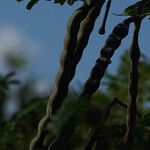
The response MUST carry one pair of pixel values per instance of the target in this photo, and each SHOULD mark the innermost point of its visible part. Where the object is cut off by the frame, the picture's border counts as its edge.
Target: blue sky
(40, 33)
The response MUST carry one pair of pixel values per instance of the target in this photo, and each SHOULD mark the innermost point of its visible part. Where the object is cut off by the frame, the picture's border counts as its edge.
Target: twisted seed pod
(61, 88)
(102, 143)
(86, 27)
(111, 44)
(133, 85)
(68, 65)
(102, 28)
(85, 30)
(92, 84)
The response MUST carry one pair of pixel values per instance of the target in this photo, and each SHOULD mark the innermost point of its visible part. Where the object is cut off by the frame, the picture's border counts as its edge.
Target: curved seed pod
(102, 62)
(61, 88)
(85, 30)
(91, 139)
(86, 27)
(133, 85)
(68, 65)
(111, 44)
(102, 29)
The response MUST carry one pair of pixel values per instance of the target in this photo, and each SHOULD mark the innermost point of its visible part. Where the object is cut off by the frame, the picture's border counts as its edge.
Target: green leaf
(143, 6)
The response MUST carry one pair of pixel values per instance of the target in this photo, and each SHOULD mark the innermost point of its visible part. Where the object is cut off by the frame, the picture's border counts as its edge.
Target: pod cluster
(93, 82)
(79, 29)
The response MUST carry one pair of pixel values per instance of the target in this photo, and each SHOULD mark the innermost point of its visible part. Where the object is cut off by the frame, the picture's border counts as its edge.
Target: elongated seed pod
(62, 139)
(95, 132)
(86, 28)
(133, 85)
(68, 65)
(61, 88)
(111, 44)
(102, 28)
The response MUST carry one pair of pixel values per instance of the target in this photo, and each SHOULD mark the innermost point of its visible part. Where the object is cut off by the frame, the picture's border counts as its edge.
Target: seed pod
(60, 142)
(66, 57)
(94, 135)
(85, 29)
(73, 49)
(102, 29)
(111, 44)
(133, 85)
(102, 143)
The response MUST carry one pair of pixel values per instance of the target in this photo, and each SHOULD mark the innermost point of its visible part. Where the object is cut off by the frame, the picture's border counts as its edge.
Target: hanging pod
(133, 85)
(102, 28)
(83, 19)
